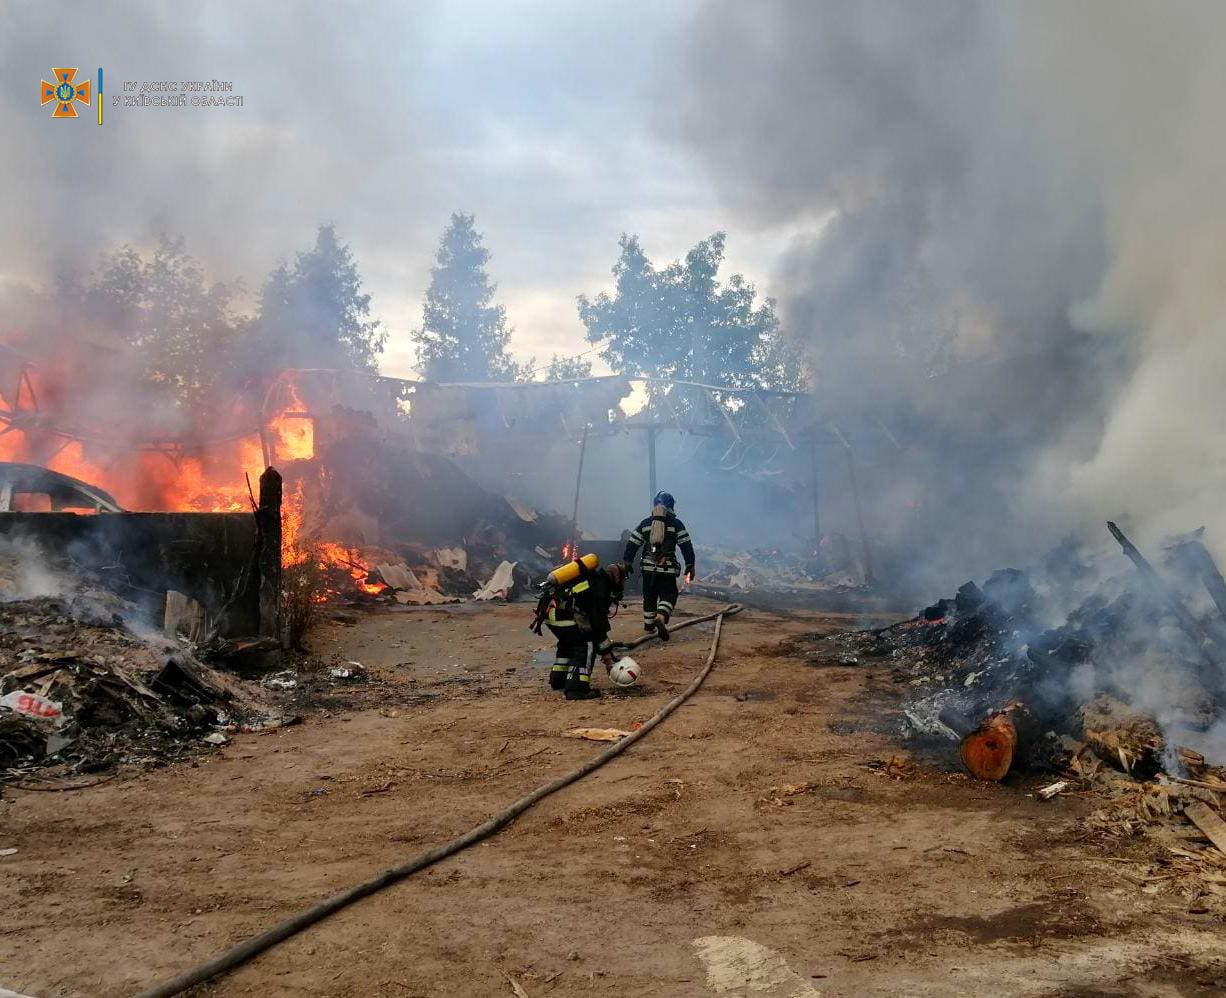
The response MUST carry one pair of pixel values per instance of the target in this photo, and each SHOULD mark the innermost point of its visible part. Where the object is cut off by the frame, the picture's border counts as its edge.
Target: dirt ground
(753, 845)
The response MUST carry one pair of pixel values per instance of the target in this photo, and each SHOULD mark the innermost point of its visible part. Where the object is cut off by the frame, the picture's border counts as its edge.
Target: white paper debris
(455, 557)
(500, 585)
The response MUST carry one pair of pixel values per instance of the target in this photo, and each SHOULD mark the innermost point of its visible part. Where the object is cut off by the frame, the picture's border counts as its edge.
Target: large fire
(218, 476)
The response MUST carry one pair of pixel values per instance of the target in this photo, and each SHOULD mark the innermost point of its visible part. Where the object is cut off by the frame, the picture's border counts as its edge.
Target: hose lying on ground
(244, 951)
(727, 611)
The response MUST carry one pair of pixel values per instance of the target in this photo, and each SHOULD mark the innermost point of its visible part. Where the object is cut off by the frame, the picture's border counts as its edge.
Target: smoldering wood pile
(414, 528)
(1123, 702)
(1134, 672)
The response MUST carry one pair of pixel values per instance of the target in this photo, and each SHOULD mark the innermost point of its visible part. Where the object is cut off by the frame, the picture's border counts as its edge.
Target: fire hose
(252, 947)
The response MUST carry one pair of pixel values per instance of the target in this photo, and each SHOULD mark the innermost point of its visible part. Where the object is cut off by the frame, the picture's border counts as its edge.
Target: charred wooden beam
(1200, 564)
(1204, 642)
(268, 518)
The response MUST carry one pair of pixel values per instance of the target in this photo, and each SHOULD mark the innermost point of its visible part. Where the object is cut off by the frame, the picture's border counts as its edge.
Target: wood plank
(183, 615)
(31, 671)
(1204, 818)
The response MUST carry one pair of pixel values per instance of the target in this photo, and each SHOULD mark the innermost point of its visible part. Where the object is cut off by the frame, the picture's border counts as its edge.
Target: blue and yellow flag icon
(64, 91)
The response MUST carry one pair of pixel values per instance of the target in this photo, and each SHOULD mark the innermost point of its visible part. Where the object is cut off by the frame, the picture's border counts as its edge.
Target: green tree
(463, 335)
(567, 368)
(680, 323)
(315, 314)
(178, 325)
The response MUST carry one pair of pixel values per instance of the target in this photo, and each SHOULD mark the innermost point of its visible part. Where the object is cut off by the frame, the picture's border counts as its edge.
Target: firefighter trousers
(659, 596)
(572, 660)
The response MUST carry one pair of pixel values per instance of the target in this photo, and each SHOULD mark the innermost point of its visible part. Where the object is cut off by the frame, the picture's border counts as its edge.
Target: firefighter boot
(579, 683)
(662, 626)
(581, 690)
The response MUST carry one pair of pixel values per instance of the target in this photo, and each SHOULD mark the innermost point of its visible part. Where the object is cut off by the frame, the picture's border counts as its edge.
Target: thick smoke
(246, 185)
(1023, 261)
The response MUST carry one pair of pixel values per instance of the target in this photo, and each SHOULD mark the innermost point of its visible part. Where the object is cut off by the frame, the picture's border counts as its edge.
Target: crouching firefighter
(574, 605)
(660, 535)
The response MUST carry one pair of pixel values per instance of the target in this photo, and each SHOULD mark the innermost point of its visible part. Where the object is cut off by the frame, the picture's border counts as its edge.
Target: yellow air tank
(564, 575)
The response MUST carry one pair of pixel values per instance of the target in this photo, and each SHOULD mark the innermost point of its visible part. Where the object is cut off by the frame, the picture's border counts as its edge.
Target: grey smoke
(246, 185)
(1026, 239)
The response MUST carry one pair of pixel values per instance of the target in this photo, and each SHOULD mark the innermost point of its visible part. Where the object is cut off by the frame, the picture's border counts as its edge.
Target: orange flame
(171, 478)
(292, 430)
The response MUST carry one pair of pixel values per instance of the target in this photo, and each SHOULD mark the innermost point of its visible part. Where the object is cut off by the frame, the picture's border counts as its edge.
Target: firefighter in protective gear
(577, 614)
(660, 536)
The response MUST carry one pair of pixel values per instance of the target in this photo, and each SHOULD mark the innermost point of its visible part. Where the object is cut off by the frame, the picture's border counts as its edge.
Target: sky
(542, 118)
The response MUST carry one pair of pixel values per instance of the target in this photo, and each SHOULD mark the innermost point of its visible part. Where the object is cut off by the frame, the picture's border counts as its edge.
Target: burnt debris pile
(81, 691)
(1134, 672)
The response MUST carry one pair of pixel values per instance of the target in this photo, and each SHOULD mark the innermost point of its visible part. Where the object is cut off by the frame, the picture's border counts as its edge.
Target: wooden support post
(269, 522)
(817, 507)
(651, 460)
(574, 517)
(855, 495)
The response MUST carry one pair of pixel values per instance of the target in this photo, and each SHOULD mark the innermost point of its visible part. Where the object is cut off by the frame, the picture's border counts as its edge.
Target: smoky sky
(380, 118)
(951, 237)
(1025, 236)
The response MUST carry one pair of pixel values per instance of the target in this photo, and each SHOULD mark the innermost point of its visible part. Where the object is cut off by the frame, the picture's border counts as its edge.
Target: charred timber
(1199, 563)
(268, 519)
(1205, 645)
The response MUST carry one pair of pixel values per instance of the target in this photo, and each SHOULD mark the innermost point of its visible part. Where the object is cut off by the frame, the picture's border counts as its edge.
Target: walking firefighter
(574, 605)
(660, 535)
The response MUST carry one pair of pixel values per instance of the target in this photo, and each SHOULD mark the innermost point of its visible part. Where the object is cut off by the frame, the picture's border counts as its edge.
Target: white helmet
(625, 672)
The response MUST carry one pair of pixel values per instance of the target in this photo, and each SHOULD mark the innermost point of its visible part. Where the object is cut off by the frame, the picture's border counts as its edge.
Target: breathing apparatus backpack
(661, 542)
(556, 604)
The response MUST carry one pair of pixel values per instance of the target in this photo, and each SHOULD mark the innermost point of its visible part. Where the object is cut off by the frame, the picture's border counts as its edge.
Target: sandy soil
(692, 865)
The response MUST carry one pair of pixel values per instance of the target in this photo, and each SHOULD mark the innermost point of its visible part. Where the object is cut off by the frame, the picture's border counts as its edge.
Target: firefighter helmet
(625, 672)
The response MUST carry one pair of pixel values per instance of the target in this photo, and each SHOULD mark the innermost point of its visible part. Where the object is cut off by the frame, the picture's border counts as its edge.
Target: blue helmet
(664, 499)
